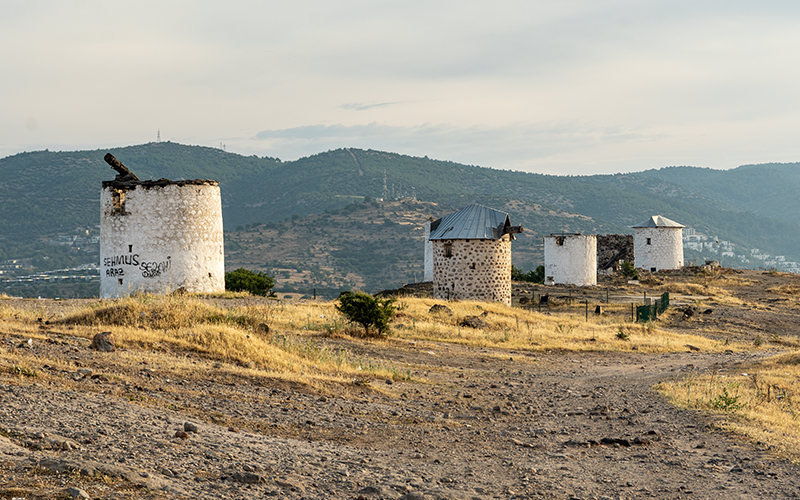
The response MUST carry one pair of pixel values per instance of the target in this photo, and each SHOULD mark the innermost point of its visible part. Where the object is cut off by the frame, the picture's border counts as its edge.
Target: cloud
(358, 106)
(521, 146)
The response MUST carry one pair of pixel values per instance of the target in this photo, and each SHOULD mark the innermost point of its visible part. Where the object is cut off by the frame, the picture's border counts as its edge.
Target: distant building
(570, 259)
(428, 266)
(658, 244)
(472, 255)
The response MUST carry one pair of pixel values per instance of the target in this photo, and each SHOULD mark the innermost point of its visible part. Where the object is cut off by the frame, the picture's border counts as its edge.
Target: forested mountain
(46, 195)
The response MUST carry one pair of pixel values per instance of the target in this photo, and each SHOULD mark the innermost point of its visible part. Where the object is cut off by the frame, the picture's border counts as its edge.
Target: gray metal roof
(474, 222)
(658, 221)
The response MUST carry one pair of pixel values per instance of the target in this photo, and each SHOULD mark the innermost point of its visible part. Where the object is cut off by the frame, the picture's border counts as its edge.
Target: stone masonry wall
(161, 238)
(665, 250)
(612, 248)
(477, 270)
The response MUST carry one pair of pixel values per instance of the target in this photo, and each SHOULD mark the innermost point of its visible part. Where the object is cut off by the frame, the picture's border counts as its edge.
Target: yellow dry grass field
(175, 326)
(760, 400)
(515, 328)
(287, 339)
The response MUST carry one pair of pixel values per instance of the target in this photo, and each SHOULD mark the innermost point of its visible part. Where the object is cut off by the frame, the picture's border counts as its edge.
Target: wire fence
(639, 308)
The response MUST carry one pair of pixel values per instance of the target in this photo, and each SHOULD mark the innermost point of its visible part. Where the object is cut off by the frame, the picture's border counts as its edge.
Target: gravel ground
(482, 424)
(471, 424)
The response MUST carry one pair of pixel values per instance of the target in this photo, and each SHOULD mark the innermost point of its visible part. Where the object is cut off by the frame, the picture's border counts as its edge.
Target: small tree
(367, 311)
(536, 275)
(629, 270)
(244, 280)
(532, 276)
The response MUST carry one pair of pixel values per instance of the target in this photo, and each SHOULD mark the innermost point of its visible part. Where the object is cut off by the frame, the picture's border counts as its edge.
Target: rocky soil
(471, 424)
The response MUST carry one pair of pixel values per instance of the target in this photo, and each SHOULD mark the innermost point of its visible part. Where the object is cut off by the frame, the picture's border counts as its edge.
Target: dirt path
(481, 424)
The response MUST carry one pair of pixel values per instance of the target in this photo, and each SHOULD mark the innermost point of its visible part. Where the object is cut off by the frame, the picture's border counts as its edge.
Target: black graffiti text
(131, 259)
(153, 269)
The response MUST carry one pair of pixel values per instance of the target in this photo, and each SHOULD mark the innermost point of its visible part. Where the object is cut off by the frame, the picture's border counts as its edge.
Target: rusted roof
(658, 221)
(474, 222)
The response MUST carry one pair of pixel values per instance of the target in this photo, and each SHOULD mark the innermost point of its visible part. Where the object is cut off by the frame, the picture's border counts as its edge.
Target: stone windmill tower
(658, 244)
(472, 255)
(160, 236)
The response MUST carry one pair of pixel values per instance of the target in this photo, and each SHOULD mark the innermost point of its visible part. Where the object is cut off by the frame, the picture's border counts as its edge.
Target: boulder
(473, 322)
(440, 309)
(103, 342)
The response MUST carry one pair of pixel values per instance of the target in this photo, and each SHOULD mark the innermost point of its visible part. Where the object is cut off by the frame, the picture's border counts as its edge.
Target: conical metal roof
(474, 222)
(658, 221)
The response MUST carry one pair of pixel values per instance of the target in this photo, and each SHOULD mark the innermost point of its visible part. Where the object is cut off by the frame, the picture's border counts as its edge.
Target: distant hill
(46, 195)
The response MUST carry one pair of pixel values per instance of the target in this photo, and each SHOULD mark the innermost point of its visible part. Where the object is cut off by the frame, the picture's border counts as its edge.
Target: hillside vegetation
(290, 214)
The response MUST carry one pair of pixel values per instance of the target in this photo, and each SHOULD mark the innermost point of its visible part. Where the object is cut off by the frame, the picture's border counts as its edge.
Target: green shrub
(367, 311)
(532, 276)
(726, 402)
(244, 280)
(629, 270)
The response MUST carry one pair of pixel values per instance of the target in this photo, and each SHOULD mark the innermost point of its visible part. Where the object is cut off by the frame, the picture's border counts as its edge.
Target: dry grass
(237, 336)
(760, 400)
(284, 340)
(790, 290)
(515, 328)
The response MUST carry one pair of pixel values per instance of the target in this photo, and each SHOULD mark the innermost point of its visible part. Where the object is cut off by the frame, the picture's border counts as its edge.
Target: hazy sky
(563, 86)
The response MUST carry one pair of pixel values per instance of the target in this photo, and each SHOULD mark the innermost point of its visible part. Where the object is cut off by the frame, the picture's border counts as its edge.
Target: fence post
(587, 309)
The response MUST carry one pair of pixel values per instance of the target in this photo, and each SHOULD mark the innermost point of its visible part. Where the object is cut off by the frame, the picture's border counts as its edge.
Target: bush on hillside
(244, 280)
(629, 270)
(371, 313)
(532, 276)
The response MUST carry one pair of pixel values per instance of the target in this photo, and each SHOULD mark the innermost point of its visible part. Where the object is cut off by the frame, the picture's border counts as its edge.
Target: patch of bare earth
(472, 423)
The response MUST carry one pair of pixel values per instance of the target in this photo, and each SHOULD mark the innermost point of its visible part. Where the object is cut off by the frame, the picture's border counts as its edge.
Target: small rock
(182, 435)
(247, 477)
(103, 342)
(440, 309)
(27, 344)
(373, 490)
(691, 347)
(76, 493)
(473, 322)
(233, 429)
(189, 427)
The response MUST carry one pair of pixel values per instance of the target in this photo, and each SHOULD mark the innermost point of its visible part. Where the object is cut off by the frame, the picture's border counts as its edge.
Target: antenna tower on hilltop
(158, 136)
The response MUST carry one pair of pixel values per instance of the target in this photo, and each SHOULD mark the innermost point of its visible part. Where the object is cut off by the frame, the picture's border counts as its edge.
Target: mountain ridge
(45, 194)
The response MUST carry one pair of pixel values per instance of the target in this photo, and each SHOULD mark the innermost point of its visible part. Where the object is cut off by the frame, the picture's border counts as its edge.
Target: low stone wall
(613, 248)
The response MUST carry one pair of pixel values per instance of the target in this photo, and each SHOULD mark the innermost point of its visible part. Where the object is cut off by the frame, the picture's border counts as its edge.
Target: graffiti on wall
(154, 269)
(113, 264)
(116, 266)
